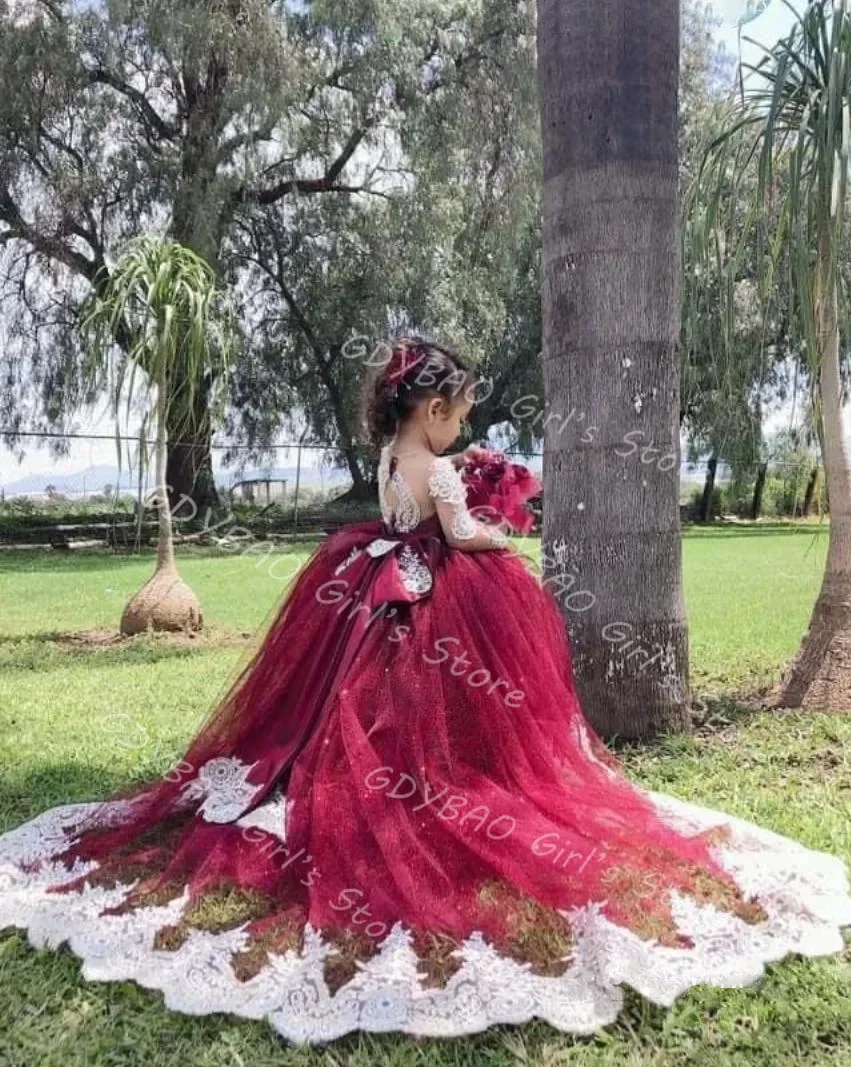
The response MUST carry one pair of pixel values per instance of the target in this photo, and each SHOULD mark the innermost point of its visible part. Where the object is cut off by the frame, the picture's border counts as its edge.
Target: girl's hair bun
(416, 368)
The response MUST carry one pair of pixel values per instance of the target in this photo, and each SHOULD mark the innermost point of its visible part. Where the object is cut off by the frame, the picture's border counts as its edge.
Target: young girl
(398, 818)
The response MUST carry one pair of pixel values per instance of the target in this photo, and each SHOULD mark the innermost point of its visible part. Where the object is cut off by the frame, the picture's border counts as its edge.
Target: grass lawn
(78, 720)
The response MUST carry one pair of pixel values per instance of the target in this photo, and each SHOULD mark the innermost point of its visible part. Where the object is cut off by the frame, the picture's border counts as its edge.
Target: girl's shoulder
(421, 462)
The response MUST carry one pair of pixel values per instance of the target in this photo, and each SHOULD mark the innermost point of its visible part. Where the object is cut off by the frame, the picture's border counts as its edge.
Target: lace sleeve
(383, 475)
(447, 489)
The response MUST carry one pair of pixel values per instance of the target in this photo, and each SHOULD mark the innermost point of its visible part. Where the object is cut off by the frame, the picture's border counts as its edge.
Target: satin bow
(405, 561)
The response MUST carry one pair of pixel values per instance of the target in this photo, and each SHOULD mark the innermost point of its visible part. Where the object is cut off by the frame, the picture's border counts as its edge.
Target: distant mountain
(93, 479)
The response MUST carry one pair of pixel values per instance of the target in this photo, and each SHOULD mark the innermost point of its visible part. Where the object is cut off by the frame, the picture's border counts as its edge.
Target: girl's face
(444, 420)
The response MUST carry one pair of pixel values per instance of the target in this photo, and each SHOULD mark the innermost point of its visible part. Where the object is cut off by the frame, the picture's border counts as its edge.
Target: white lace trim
(407, 516)
(446, 484)
(222, 783)
(804, 893)
(499, 537)
(383, 476)
(380, 547)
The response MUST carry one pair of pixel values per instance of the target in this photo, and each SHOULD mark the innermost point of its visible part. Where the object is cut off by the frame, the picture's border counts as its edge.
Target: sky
(770, 24)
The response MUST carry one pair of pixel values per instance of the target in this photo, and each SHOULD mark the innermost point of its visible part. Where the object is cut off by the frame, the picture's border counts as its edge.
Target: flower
(498, 487)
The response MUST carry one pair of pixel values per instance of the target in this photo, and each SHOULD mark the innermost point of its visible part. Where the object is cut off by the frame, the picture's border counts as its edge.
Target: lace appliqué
(383, 478)
(463, 525)
(223, 786)
(445, 484)
(406, 515)
(416, 577)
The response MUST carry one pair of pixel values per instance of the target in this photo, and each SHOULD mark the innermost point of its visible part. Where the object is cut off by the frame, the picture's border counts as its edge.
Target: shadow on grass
(51, 650)
(735, 529)
(25, 795)
(709, 716)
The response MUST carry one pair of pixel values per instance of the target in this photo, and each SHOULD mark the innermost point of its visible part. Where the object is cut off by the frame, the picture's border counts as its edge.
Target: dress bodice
(402, 511)
(400, 508)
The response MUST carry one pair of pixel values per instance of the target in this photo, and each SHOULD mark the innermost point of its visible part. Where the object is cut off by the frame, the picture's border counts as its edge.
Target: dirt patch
(106, 638)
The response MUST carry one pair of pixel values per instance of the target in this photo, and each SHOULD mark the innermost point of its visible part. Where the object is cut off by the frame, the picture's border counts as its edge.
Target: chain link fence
(299, 489)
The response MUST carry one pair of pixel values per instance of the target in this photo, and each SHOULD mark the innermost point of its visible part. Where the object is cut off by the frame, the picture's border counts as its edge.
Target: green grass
(76, 723)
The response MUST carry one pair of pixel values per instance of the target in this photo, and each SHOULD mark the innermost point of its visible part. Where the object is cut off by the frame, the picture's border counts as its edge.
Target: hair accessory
(404, 359)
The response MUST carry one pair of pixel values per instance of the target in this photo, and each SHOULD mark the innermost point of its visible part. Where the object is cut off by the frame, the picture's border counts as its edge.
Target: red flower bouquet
(499, 490)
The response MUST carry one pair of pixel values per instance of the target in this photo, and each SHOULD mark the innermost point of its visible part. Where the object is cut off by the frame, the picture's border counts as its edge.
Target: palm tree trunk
(197, 223)
(165, 601)
(819, 677)
(165, 531)
(608, 74)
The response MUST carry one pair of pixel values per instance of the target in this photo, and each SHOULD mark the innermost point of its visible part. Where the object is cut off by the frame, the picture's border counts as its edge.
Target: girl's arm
(450, 500)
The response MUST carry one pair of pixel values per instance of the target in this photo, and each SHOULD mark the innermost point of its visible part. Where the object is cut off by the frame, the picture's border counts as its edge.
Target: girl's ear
(434, 408)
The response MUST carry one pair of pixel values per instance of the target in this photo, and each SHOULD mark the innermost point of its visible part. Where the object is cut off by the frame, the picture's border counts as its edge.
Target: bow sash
(400, 565)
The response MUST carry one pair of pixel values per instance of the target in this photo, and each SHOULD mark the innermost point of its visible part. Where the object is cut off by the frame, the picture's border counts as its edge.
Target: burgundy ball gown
(398, 819)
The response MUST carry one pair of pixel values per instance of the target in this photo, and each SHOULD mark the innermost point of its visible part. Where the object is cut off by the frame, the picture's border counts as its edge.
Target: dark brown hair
(423, 368)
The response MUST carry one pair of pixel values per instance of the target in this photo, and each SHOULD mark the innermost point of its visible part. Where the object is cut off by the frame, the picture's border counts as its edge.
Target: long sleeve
(462, 530)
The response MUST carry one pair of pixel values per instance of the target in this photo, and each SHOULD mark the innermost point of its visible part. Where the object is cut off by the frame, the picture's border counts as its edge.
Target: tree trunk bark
(706, 514)
(165, 527)
(810, 492)
(608, 76)
(197, 223)
(360, 487)
(758, 490)
(189, 469)
(819, 677)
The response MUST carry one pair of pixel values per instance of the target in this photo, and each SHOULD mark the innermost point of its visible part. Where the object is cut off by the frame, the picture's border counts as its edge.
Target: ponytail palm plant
(177, 328)
(791, 122)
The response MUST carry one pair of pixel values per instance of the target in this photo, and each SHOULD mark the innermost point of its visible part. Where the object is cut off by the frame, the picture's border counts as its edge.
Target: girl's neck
(411, 438)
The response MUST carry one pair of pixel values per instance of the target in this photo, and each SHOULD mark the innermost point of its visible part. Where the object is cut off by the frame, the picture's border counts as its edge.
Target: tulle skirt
(399, 819)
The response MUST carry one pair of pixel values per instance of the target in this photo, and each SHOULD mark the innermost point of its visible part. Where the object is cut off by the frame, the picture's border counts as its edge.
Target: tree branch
(48, 246)
(153, 120)
(231, 144)
(327, 184)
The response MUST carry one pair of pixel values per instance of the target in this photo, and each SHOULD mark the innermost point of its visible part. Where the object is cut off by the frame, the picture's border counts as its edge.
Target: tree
(357, 165)
(608, 72)
(794, 116)
(176, 328)
(455, 251)
(119, 118)
(450, 249)
(733, 366)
